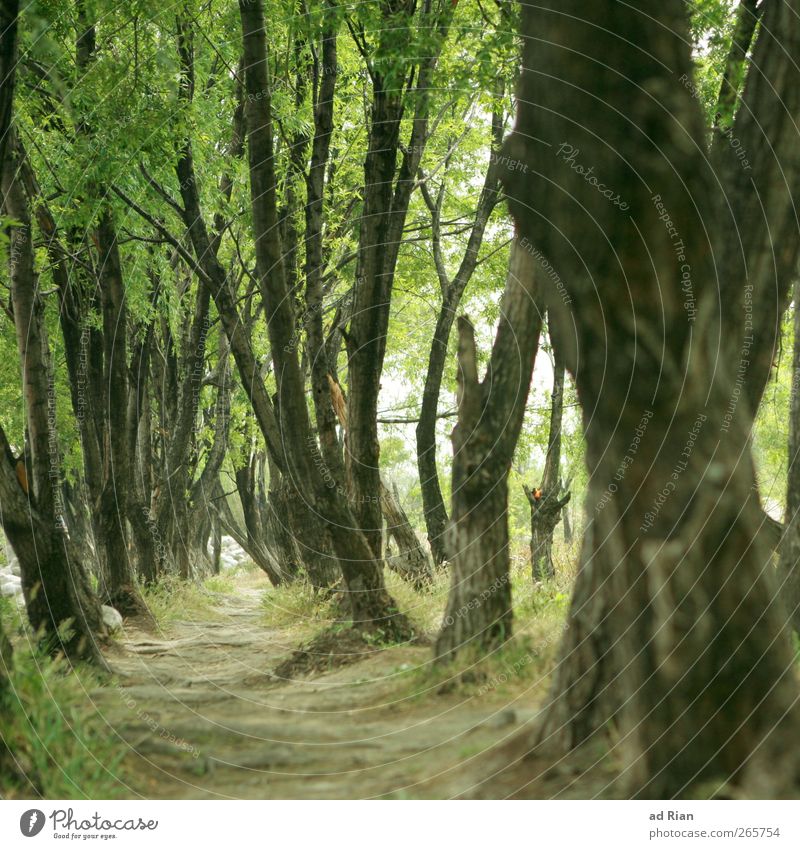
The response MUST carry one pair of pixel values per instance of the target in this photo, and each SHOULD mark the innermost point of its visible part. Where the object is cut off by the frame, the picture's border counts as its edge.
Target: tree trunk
(546, 501)
(490, 414)
(675, 635)
(411, 561)
(387, 194)
(120, 588)
(54, 582)
(372, 607)
(452, 292)
(60, 602)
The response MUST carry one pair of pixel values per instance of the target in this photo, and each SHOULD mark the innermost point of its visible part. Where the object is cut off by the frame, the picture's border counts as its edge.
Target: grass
(297, 604)
(173, 599)
(62, 746)
(539, 614)
(59, 744)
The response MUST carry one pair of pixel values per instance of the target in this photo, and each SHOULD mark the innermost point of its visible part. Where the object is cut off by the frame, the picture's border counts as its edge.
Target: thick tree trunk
(321, 388)
(675, 635)
(120, 588)
(60, 602)
(490, 414)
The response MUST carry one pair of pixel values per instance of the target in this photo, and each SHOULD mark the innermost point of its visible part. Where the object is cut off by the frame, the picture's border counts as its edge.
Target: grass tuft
(57, 742)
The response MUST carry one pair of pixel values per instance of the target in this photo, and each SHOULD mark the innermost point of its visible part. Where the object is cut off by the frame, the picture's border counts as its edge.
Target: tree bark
(411, 561)
(387, 193)
(674, 634)
(120, 589)
(490, 414)
(60, 603)
(372, 606)
(547, 500)
(452, 292)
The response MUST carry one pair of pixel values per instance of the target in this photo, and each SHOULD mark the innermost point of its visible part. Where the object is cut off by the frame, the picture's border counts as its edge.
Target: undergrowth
(173, 598)
(539, 614)
(59, 746)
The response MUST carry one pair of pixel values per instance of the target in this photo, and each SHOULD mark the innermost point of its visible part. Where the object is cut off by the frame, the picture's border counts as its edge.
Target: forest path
(201, 716)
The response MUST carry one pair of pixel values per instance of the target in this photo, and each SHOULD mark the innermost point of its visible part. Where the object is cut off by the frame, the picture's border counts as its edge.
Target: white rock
(15, 570)
(111, 617)
(9, 588)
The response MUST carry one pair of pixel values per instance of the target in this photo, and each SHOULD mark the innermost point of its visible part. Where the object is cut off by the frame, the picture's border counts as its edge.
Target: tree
(548, 500)
(675, 631)
(361, 565)
(400, 81)
(490, 413)
(61, 605)
(452, 293)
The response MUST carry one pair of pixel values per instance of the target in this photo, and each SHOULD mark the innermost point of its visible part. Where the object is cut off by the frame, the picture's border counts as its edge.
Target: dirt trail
(202, 717)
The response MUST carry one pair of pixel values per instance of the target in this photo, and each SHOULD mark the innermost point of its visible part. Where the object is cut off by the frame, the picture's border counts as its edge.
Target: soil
(202, 713)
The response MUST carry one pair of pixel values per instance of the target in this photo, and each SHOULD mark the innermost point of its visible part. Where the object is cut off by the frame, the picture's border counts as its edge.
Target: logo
(31, 822)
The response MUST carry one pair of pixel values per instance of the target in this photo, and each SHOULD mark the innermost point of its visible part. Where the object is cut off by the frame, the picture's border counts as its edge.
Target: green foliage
(61, 746)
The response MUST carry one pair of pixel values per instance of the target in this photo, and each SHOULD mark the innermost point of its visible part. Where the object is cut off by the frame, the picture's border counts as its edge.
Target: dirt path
(202, 717)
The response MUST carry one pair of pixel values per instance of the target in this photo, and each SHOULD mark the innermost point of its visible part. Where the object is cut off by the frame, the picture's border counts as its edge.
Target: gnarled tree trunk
(372, 606)
(452, 292)
(490, 414)
(675, 634)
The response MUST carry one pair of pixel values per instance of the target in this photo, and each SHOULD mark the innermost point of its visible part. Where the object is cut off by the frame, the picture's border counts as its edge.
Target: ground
(235, 689)
(199, 713)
